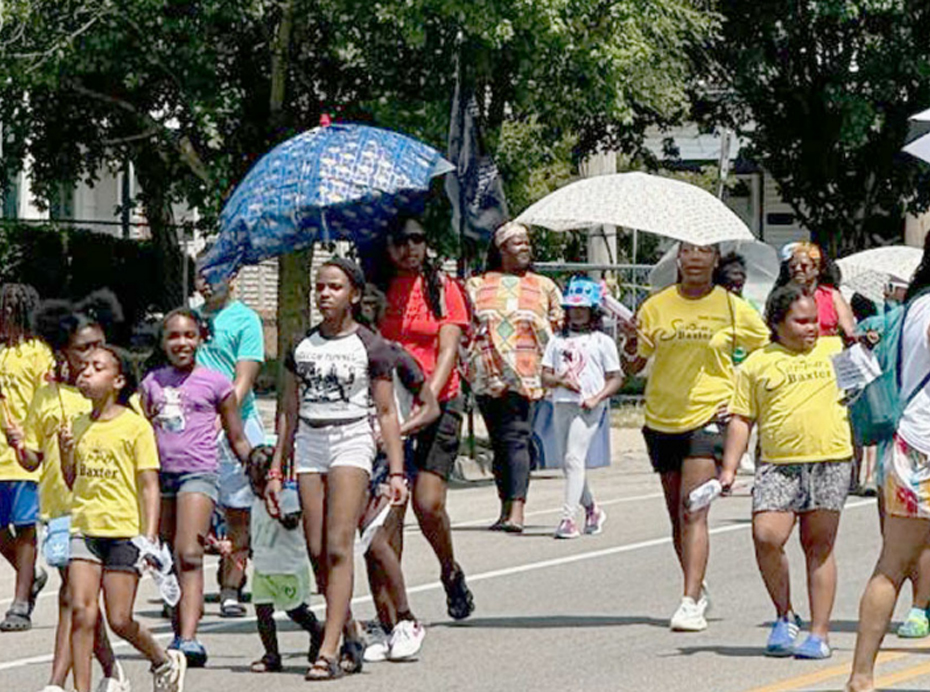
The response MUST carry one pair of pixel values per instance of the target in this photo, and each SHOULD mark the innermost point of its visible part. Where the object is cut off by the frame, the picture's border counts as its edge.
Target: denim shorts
(19, 503)
(235, 490)
(203, 483)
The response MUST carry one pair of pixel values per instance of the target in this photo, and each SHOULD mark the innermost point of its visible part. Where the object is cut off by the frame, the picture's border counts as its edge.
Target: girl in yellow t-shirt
(73, 333)
(24, 363)
(110, 462)
(789, 390)
(693, 332)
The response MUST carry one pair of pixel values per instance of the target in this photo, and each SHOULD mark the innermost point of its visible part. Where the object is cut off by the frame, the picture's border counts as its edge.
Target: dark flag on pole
(475, 187)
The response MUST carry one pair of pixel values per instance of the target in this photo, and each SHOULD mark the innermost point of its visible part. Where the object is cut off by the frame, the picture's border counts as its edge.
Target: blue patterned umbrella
(339, 182)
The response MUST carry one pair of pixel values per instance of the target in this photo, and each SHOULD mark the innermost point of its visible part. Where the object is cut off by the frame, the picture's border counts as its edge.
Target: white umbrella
(663, 206)
(761, 269)
(867, 272)
(918, 136)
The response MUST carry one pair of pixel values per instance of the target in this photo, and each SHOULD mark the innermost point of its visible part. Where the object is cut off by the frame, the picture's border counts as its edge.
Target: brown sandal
(324, 668)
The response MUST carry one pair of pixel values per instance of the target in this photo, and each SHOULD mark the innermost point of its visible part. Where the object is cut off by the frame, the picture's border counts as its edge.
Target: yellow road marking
(843, 669)
(902, 675)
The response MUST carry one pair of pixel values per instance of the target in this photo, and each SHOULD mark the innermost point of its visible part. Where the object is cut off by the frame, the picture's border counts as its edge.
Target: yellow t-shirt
(23, 369)
(795, 401)
(108, 456)
(51, 403)
(691, 342)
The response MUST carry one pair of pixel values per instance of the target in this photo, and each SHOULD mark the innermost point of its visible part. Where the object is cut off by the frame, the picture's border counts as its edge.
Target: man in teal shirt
(236, 349)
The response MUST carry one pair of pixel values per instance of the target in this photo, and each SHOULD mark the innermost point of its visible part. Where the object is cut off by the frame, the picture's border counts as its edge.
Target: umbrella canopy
(761, 269)
(868, 272)
(339, 182)
(663, 206)
(918, 136)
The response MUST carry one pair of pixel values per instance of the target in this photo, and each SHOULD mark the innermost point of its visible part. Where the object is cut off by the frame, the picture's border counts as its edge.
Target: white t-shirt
(586, 357)
(275, 549)
(914, 425)
(334, 374)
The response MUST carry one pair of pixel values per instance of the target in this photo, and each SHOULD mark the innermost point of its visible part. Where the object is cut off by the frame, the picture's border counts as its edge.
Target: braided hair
(18, 303)
(779, 305)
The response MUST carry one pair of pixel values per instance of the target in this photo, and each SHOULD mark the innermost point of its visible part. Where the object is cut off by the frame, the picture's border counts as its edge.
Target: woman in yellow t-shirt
(693, 331)
(110, 462)
(789, 390)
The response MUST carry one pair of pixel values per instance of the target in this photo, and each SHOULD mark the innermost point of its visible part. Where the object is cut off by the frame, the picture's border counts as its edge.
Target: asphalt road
(588, 614)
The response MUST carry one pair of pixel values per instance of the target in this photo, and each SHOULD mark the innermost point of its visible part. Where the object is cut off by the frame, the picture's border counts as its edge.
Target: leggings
(508, 422)
(574, 429)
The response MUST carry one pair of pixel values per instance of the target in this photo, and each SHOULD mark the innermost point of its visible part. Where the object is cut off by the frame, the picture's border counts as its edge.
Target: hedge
(68, 262)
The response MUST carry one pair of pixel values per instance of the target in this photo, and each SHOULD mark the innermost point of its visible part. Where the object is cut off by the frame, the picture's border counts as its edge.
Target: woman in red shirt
(426, 314)
(807, 267)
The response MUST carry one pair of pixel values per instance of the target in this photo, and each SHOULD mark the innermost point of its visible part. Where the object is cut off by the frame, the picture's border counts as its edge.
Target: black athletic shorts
(437, 445)
(667, 451)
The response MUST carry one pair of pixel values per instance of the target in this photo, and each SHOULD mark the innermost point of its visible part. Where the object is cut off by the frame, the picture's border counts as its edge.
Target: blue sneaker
(783, 636)
(175, 644)
(813, 649)
(194, 652)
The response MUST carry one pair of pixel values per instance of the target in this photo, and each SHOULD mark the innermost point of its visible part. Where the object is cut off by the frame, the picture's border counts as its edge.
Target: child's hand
(66, 438)
(15, 436)
(273, 488)
(398, 490)
(727, 478)
(590, 403)
(569, 383)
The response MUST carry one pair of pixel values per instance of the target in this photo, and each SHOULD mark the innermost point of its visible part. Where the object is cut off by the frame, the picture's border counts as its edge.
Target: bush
(68, 262)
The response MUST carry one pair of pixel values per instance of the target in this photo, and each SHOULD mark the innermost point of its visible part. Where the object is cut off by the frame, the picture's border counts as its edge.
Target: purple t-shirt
(183, 407)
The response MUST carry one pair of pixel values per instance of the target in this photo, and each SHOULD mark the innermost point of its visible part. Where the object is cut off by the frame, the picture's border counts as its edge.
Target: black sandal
(352, 657)
(324, 668)
(267, 664)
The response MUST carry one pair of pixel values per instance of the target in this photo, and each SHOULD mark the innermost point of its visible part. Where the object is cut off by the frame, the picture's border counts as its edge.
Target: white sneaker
(169, 677)
(704, 601)
(378, 646)
(118, 683)
(689, 617)
(406, 640)
(53, 688)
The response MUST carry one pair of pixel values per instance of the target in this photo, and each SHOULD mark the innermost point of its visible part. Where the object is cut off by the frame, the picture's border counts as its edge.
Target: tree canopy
(823, 90)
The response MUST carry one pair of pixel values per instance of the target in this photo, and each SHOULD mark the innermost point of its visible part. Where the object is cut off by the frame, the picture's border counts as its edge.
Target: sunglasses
(414, 238)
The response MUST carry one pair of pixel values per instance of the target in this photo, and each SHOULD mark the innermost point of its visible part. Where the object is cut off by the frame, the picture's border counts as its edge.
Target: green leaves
(823, 90)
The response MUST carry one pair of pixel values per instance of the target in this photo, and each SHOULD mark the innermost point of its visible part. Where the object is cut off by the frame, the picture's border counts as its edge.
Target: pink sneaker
(567, 529)
(594, 518)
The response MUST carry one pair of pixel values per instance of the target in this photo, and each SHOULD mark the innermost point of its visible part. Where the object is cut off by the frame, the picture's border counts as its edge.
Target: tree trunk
(293, 315)
(169, 257)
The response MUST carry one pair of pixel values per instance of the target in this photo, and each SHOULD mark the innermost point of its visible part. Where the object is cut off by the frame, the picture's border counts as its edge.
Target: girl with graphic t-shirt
(582, 368)
(692, 331)
(335, 373)
(789, 390)
(183, 400)
(110, 462)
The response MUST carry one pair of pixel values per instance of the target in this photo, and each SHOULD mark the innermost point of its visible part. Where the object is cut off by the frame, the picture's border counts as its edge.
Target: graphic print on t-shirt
(573, 361)
(329, 381)
(170, 415)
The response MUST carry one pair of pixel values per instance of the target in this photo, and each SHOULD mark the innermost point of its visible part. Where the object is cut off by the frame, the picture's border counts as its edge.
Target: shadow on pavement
(729, 651)
(556, 622)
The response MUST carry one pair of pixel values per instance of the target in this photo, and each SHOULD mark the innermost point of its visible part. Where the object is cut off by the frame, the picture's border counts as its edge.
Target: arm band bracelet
(274, 475)
(397, 474)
